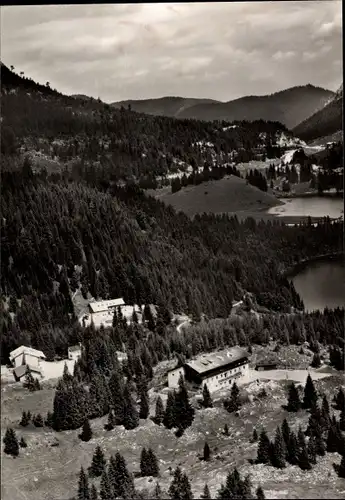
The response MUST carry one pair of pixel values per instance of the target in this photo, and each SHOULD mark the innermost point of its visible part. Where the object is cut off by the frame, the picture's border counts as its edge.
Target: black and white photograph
(172, 284)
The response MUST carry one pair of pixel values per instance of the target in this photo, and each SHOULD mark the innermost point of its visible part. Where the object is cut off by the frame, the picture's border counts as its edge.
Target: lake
(321, 284)
(313, 206)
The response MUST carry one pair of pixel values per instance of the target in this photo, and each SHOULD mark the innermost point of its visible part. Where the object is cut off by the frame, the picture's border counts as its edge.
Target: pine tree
(294, 403)
(22, 443)
(286, 432)
(93, 493)
(131, 416)
(320, 446)
(152, 464)
(86, 433)
(105, 491)
(255, 435)
(314, 421)
(278, 450)
(260, 495)
(207, 400)
(207, 453)
(311, 449)
(98, 463)
(116, 388)
(37, 420)
(169, 419)
(310, 394)
(144, 401)
(24, 421)
(263, 449)
(159, 413)
(83, 486)
(233, 404)
(325, 420)
(341, 467)
(206, 495)
(184, 412)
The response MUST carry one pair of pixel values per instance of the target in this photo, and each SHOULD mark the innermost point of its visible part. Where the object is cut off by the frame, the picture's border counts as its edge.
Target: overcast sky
(216, 50)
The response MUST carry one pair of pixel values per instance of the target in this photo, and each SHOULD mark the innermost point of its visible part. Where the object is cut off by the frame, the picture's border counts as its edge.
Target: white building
(102, 313)
(218, 370)
(74, 352)
(26, 356)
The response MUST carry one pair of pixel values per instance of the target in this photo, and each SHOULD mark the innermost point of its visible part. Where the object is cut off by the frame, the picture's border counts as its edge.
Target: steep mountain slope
(325, 122)
(289, 106)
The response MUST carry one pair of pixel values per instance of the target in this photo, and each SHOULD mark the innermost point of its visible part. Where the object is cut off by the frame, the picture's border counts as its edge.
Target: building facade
(217, 370)
(102, 313)
(24, 355)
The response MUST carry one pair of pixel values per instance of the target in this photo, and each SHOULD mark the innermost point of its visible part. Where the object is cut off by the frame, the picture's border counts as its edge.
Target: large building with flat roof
(217, 369)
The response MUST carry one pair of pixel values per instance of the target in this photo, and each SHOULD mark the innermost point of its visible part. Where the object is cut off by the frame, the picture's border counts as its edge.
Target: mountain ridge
(289, 106)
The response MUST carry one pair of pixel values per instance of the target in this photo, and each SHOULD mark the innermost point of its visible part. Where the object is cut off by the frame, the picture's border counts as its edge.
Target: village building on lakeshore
(217, 370)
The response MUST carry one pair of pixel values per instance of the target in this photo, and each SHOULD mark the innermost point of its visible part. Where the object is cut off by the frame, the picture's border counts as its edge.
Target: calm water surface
(314, 207)
(321, 284)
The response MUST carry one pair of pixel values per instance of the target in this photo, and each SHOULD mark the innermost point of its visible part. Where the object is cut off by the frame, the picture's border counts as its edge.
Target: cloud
(217, 50)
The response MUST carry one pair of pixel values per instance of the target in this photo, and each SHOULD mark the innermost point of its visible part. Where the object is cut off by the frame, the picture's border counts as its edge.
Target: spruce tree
(159, 412)
(320, 446)
(316, 361)
(342, 419)
(311, 449)
(303, 459)
(143, 463)
(292, 449)
(263, 456)
(24, 420)
(233, 404)
(169, 419)
(255, 435)
(341, 467)
(226, 430)
(339, 399)
(22, 443)
(86, 433)
(37, 420)
(310, 394)
(131, 416)
(29, 381)
(83, 486)
(179, 488)
(70, 404)
(294, 403)
(285, 428)
(11, 443)
(120, 479)
(144, 401)
(332, 440)
(110, 425)
(314, 421)
(98, 463)
(260, 495)
(184, 412)
(105, 491)
(325, 415)
(116, 388)
(207, 452)
(152, 463)
(206, 495)
(93, 493)
(207, 400)
(278, 450)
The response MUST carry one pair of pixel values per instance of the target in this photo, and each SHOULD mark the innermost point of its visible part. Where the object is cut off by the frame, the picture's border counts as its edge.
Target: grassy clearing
(42, 471)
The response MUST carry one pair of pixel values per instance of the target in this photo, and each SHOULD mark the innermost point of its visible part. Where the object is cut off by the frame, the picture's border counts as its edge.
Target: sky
(214, 50)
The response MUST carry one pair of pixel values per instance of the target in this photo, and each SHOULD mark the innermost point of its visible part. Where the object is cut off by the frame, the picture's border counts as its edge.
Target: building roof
(20, 371)
(74, 348)
(26, 350)
(212, 361)
(103, 305)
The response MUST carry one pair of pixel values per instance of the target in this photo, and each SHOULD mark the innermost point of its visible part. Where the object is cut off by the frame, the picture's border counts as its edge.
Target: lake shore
(296, 268)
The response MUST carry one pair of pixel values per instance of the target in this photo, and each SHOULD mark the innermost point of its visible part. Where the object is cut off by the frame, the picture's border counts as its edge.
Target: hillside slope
(325, 122)
(289, 106)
